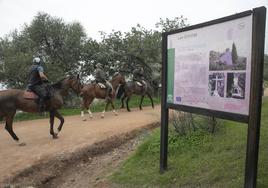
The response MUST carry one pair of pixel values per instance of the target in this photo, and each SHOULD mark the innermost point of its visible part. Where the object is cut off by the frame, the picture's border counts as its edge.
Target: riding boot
(143, 89)
(107, 96)
(41, 106)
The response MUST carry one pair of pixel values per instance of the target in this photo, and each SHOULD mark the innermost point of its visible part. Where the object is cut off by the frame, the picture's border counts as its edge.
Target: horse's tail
(120, 92)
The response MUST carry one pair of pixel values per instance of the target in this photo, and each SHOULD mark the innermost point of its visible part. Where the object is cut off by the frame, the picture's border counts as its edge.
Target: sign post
(255, 97)
(164, 110)
(216, 69)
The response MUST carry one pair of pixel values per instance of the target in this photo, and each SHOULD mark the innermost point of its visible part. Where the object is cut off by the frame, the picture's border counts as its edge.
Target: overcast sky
(106, 15)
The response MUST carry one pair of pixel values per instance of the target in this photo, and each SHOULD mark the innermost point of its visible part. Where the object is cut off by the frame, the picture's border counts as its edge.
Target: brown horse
(130, 88)
(91, 91)
(14, 99)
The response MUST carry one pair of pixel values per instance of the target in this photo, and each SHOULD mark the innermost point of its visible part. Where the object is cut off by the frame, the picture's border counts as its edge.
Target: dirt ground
(81, 155)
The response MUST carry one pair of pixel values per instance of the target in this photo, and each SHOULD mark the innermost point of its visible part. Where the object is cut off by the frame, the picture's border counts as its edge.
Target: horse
(134, 87)
(91, 91)
(12, 100)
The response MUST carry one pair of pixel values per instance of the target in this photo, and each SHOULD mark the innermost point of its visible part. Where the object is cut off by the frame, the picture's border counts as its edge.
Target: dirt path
(95, 172)
(75, 136)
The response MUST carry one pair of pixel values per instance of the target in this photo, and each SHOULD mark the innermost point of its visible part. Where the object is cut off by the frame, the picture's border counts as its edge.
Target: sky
(108, 15)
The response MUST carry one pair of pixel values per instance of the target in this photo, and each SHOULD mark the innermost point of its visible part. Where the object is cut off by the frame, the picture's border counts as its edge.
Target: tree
(67, 50)
(57, 43)
(16, 55)
(61, 43)
(234, 54)
(167, 24)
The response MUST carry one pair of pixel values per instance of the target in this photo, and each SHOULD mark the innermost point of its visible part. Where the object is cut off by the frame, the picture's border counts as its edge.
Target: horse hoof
(122, 107)
(84, 119)
(102, 116)
(91, 117)
(55, 136)
(22, 144)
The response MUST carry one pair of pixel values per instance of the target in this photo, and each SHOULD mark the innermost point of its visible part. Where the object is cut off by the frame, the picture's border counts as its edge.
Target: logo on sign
(178, 99)
(170, 98)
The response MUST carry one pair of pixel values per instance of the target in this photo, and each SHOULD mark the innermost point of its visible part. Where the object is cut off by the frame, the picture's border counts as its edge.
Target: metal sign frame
(255, 101)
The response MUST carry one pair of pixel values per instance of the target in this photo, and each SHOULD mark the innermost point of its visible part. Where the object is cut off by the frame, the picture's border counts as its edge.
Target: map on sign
(210, 67)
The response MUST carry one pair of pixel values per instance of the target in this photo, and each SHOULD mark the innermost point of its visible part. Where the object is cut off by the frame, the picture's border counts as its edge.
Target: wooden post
(255, 97)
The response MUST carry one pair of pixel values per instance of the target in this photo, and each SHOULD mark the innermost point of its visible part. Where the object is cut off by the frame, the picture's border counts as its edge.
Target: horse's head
(119, 78)
(74, 83)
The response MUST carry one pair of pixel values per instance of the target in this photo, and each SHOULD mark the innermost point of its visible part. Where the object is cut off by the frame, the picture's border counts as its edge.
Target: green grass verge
(199, 159)
(265, 83)
(134, 102)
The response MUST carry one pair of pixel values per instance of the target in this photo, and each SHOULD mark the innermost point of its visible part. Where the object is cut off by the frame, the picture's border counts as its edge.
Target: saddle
(141, 84)
(29, 95)
(138, 83)
(101, 85)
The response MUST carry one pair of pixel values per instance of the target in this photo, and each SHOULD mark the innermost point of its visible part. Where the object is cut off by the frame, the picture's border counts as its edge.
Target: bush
(185, 123)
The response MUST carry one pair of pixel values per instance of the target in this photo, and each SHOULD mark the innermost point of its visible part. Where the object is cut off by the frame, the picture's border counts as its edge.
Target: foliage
(265, 70)
(66, 49)
(166, 25)
(57, 43)
(182, 122)
(186, 123)
(199, 159)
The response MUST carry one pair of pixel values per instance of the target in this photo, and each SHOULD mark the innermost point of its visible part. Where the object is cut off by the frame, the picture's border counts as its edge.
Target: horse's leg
(122, 101)
(128, 98)
(86, 105)
(51, 120)
(150, 97)
(83, 107)
(89, 112)
(59, 116)
(142, 97)
(105, 109)
(9, 128)
(114, 111)
(82, 110)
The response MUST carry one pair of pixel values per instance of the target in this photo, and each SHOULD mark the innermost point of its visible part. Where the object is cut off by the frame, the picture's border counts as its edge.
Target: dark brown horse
(91, 91)
(14, 99)
(130, 88)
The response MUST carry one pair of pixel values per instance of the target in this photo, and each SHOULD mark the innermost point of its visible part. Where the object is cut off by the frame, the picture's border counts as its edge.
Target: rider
(100, 77)
(138, 76)
(37, 80)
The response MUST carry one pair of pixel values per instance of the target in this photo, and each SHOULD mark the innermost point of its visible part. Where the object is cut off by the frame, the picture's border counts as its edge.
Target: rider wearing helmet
(138, 76)
(36, 80)
(100, 77)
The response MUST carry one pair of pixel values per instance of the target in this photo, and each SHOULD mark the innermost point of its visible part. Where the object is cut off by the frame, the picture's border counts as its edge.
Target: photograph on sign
(209, 67)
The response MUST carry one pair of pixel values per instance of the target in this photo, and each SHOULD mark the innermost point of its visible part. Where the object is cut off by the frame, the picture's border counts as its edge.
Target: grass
(265, 83)
(98, 107)
(199, 159)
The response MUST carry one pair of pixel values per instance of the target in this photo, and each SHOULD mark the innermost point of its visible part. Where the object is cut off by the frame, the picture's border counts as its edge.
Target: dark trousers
(41, 91)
